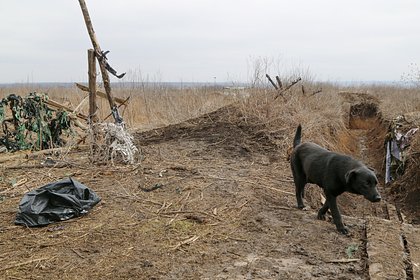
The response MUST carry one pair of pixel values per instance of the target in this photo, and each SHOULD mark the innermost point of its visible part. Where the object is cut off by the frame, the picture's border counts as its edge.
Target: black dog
(334, 173)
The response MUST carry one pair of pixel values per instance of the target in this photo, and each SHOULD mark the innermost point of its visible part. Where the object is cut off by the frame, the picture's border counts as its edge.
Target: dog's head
(363, 181)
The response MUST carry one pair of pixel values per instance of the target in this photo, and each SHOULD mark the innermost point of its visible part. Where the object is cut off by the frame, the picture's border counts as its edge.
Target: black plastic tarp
(58, 201)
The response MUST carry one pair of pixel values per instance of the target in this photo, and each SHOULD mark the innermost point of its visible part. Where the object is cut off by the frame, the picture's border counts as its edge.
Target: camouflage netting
(29, 124)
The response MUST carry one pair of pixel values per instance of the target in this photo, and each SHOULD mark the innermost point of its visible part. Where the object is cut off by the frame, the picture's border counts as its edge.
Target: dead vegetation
(213, 197)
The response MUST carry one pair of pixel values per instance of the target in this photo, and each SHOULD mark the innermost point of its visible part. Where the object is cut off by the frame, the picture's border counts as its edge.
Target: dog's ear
(349, 175)
(374, 173)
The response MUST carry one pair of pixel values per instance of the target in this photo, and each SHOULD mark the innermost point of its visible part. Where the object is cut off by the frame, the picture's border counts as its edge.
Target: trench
(364, 137)
(366, 127)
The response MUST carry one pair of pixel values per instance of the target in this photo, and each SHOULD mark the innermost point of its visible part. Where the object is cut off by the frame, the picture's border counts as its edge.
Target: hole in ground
(363, 115)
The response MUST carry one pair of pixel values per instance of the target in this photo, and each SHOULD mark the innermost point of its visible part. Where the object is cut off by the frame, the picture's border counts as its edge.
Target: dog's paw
(301, 206)
(321, 217)
(343, 230)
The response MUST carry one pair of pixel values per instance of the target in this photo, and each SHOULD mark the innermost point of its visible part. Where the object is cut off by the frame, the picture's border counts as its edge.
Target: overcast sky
(197, 40)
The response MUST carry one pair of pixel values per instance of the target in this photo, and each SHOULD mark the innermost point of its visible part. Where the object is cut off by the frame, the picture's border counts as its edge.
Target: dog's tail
(298, 136)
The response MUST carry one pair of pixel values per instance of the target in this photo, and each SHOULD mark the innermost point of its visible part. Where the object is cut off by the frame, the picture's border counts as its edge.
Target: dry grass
(317, 113)
(207, 180)
(149, 107)
(394, 100)
(156, 105)
(325, 114)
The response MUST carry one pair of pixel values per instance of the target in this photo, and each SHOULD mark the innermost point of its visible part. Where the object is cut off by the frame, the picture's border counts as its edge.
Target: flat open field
(225, 206)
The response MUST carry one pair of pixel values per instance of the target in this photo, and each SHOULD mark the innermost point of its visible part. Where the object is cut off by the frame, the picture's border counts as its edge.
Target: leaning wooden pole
(101, 60)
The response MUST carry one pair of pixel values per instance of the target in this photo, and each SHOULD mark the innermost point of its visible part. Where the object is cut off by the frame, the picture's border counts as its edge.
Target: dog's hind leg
(300, 182)
(300, 188)
(299, 178)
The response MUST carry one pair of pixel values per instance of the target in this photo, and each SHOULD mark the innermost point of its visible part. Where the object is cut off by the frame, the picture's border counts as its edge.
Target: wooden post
(101, 60)
(271, 81)
(279, 82)
(93, 117)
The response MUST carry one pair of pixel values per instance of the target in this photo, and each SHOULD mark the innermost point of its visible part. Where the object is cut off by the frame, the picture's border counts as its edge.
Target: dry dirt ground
(222, 207)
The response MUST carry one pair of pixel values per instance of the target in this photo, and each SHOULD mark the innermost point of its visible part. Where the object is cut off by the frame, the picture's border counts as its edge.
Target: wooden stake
(279, 82)
(92, 87)
(271, 81)
(101, 60)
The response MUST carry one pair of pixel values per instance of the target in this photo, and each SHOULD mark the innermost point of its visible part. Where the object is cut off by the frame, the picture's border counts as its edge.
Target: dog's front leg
(332, 203)
(323, 211)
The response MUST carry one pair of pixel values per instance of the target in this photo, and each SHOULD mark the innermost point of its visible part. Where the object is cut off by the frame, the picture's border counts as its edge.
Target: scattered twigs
(23, 263)
(185, 242)
(28, 155)
(277, 190)
(343, 261)
(77, 253)
(192, 212)
(152, 188)
(28, 166)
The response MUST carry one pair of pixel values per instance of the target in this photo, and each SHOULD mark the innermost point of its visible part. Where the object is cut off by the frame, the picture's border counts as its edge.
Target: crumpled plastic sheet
(58, 201)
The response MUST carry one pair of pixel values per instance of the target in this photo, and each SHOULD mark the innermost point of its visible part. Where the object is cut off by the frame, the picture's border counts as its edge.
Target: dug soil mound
(226, 132)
